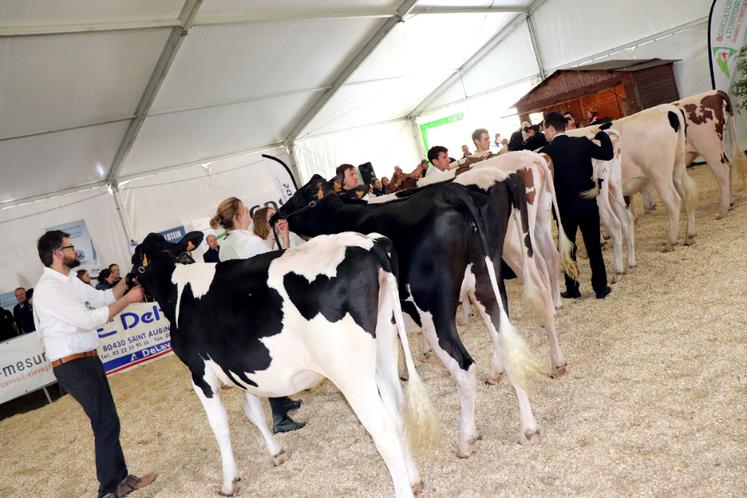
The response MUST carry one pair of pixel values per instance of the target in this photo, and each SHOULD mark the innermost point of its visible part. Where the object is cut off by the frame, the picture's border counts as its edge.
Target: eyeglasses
(67, 247)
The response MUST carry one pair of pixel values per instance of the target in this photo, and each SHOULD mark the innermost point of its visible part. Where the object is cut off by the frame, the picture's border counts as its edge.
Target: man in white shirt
(438, 156)
(67, 313)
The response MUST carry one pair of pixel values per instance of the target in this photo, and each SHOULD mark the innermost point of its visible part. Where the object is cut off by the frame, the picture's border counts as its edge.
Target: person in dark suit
(211, 255)
(571, 157)
(535, 139)
(23, 312)
(7, 325)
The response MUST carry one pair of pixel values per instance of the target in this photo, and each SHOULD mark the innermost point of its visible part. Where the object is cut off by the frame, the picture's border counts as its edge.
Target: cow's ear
(188, 243)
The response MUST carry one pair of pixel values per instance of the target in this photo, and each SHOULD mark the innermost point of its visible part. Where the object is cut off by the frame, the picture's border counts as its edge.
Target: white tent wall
(21, 227)
(568, 34)
(182, 196)
(385, 145)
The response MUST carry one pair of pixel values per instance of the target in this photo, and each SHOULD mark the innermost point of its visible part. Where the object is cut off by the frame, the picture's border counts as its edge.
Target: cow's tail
(422, 426)
(737, 154)
(517, 191)
(566, 247)
(689, 187)
(593, 192)
(517, 358)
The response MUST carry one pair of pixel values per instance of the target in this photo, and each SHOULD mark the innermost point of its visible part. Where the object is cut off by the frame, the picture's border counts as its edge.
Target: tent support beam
(290, 146)
(174, 42)
(57, 193)
(123, 219)
(404, 8)
(418, 139)
(536, 47)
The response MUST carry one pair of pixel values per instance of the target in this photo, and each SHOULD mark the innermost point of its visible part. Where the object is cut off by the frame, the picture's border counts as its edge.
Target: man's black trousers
(584, 215)
(85, 380)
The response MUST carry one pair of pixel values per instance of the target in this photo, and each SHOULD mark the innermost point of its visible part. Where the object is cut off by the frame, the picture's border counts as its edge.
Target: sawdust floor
(653, 405)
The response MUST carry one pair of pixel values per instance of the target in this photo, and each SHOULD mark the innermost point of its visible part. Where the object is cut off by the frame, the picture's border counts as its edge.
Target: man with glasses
(67, 313)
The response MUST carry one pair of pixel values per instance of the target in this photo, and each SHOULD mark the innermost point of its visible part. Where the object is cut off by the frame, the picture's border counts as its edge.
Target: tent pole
(418, 138)
(290, 146)
(122, 217)
(536, 47)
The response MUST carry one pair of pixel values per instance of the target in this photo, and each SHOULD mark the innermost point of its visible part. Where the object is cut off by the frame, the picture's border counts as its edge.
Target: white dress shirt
(240, 244)
(67, 313)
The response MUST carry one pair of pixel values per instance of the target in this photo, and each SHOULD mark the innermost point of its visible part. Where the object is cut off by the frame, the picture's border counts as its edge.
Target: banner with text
(140, 333)
(726, 29)
(23, 366)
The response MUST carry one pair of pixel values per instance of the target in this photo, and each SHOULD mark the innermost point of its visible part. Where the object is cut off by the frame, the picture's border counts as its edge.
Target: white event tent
(141, 115)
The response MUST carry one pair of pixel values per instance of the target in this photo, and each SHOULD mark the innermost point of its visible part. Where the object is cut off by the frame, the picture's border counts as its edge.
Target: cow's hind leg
(387, 381)
(673, 202)
(363, 396)
(253, 411)
(442, 335)
(218, 420)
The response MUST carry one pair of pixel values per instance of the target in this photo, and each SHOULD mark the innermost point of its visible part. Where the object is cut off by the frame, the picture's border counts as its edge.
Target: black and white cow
(440, 240)
(280, 322)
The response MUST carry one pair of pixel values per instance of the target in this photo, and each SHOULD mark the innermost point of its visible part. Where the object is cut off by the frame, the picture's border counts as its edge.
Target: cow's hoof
(494, 379)
(559, 371)
(473, 439)
(465, 452)
(690, 240)
(232, 492)
(280, 458)
(528, 435)
(667, 248)
(417, 488)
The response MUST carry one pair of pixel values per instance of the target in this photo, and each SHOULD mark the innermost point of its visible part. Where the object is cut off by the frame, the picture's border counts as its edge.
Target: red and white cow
(706, 116)
(653, 151)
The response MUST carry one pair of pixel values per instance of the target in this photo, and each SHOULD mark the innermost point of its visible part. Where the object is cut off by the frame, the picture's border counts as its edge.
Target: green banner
(435, 124)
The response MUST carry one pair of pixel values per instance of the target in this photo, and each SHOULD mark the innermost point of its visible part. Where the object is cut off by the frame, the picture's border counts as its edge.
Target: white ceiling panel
(62, 81)
(57, 161)
(228, 8)
(57, 12)
(234, 62)
(371, 102)
(181, 137)
(475, 3)
(426, 44)
(411, 61)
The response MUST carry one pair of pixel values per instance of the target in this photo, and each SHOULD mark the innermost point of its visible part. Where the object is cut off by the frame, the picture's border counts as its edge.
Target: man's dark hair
(113, 264)
(556, 120)
(340, 172)
(48, 244)
(20, 288)
(80, 273)
(478, 133)
(435, 151)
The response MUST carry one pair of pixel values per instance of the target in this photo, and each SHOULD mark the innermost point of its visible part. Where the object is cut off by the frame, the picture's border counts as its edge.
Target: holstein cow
(522, 258)
(440, 241)
(280, 322)
(706, 116)
(653, 150)
(613, 213)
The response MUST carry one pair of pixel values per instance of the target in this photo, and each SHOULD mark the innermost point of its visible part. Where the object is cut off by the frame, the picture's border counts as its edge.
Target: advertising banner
(174, 235)
(23, 366)
(80, 238)
(138, 334)
(726, 29)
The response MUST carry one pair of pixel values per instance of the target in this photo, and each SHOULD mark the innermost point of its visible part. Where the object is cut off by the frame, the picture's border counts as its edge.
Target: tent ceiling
(86, 90)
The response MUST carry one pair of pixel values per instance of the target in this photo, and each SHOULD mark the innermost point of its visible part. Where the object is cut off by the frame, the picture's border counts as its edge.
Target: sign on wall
(726, 28)
(174, 235)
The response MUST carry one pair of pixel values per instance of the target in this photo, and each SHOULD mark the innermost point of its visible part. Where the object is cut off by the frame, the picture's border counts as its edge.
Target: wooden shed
(613, 88)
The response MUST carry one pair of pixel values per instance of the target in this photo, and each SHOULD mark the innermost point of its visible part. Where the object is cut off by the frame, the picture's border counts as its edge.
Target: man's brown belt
(73, 357)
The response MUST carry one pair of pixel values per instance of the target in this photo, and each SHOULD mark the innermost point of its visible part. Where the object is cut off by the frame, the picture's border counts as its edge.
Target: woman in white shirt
(240, 243)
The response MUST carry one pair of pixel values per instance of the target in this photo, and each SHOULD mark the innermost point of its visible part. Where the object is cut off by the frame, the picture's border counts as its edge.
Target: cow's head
(154, 259)
(304, 199)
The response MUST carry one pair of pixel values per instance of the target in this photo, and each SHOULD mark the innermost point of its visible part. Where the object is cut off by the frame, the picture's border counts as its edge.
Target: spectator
(439, 158)
(498, 141)
(68, 313)
(378, 187)
(23, 312)
(114, 268)
(535, 138)
(518, 137)
(570, 121)
(8, 328)
(385, 184)
(348, 179)
(592, 117)
(239, 243)
(211, 255)
(84, 276)
(105, 280)
(465, 152)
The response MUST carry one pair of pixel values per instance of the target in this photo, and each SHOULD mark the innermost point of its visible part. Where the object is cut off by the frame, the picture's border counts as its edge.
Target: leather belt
(73, 357)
